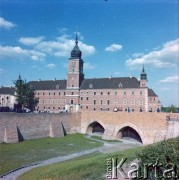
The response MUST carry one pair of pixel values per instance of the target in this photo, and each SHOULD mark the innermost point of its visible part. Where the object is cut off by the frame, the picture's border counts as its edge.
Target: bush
(160, 160)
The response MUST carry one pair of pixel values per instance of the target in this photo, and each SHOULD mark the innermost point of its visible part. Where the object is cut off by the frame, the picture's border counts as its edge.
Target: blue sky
(115, 36)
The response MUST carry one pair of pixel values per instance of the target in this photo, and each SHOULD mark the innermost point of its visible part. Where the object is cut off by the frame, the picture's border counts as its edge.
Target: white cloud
(167, 56)
(17, 53)
(114, 48)
(170, 79)
(117, 73)
(51, 66)
(63, 46)
(29, 41)
(6, 24)
(88, 65)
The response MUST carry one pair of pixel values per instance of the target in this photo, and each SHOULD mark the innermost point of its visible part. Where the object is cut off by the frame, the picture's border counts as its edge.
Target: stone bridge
(144, 127)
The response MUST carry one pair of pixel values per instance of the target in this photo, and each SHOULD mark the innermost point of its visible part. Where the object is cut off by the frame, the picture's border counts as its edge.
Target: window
(115, 101)
(140, 102)
(101, 93)
(73, 64)
(81, 98)
(53, 107)
(71, 101)
(48, 107)
(72, 93)
(43, 101)
(115, 93)
(87, 98)
(124, 92)
(94, 101)
(108, 109)
(59, 93)
(49, 93)
(53, 101)
(94, 109)
(132, 101)
(38, 93)
(54, 93)
(140, 92)
(132, 92)
(64, 93)
(154, 99)
(125, 101)
(108, 102)
(101, 109)
(44, 107)
(58, 107)
(81, 107)
(108, 93)
(43, 93)
(64, 101)
(86, 107)
(48, 101)
(101, 101)
(94, 93)
(59, 101)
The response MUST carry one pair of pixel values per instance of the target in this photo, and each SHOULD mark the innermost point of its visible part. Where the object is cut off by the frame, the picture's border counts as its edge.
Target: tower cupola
(76, 53)
(143, 75)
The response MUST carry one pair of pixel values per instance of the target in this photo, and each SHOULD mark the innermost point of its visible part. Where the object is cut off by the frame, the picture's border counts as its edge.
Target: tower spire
(76, 42)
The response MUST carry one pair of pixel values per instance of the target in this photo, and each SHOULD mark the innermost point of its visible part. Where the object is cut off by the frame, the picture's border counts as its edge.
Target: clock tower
(75, 77)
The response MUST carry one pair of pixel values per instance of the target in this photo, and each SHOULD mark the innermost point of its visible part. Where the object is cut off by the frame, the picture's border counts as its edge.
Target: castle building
(97, 94)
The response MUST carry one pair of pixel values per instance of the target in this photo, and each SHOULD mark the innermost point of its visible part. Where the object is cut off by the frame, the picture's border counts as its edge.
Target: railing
(172, 117)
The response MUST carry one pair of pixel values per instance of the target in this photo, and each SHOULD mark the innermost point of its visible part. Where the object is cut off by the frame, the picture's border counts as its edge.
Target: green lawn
(100, 138)
(30, 151)
(89, 167)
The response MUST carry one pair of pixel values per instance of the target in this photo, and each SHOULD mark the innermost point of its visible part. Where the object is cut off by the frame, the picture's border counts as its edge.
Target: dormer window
(120, 85)
(90, 86)
(57, 86)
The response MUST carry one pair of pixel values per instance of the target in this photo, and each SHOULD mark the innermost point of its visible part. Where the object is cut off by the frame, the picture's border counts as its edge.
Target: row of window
(54, 108)
(50, 93)
(94, 93)
(125, 101)
(53, 101)
(108, 93)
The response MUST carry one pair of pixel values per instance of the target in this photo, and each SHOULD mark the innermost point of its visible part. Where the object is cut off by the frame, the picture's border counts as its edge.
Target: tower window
(72, 93)
(101, 93)
(73, 65)
(108, 93)
(94, 93)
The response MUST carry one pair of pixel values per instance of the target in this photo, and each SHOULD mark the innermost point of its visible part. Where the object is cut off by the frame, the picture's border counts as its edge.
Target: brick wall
(151, 127)
(15, 127)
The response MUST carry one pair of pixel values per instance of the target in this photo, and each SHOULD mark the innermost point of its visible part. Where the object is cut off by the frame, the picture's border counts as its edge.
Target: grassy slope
(16, 155)
(92, 167)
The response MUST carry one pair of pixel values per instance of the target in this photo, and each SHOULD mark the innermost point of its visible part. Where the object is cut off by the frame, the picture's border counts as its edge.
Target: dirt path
(106, 148)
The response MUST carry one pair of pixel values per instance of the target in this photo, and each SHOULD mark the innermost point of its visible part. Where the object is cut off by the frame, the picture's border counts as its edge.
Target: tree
(172, 109)
(24, 95)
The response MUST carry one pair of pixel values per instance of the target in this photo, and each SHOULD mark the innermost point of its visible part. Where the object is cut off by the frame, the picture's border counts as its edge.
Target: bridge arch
(96, 128)
(129, 131)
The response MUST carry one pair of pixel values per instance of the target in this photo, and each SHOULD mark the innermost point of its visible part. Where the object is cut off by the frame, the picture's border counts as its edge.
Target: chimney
(54, 79)
(39, 80)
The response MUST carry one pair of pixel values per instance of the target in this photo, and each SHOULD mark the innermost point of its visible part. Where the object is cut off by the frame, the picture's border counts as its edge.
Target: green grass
(100, 138)
(89, 167)
(30, 151)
